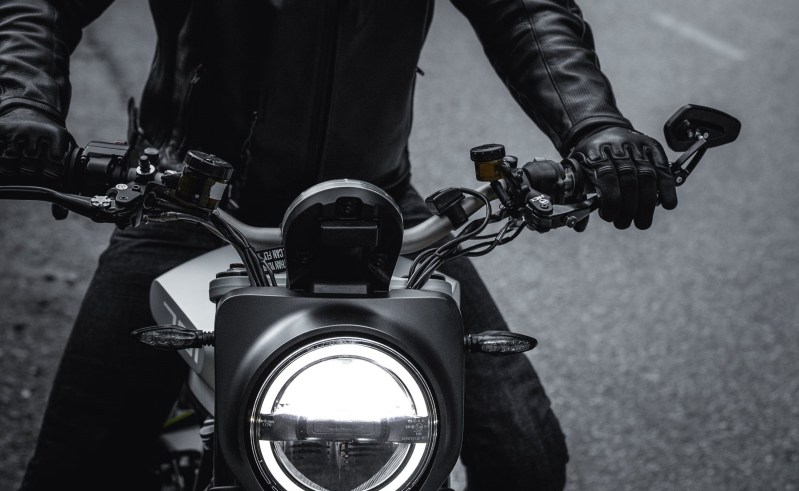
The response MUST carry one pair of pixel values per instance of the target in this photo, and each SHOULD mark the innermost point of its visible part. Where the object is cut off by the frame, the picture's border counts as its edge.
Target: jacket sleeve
(544, 52)
(36, 39)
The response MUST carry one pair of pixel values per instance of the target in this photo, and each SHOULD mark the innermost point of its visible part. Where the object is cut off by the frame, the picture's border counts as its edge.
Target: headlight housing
(343, 414)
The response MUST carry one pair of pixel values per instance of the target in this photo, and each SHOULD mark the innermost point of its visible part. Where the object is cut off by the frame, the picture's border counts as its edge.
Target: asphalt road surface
(671, 355)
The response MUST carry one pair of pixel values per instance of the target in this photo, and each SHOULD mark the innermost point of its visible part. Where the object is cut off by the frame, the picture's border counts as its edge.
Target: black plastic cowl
(256, 328)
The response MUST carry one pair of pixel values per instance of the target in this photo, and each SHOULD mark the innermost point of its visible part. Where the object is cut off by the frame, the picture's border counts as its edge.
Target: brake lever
(542, 215)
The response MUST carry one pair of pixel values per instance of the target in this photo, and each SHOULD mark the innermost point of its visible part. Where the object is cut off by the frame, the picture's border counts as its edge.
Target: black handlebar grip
(40, 172)
(581, 185)
(563, 181)
(547, 177)
(87, 171)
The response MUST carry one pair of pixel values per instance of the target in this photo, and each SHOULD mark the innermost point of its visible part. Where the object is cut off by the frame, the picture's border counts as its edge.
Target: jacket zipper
(240, 176)
(245, 152)
(181, 137)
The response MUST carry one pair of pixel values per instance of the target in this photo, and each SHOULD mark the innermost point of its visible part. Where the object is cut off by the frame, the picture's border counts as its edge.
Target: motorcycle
(325, 359)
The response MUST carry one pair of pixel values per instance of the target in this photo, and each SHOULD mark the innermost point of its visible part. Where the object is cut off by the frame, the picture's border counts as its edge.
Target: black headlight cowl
(260, 331)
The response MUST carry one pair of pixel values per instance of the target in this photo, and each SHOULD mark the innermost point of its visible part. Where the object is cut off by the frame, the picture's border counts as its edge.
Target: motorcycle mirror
(717, 127)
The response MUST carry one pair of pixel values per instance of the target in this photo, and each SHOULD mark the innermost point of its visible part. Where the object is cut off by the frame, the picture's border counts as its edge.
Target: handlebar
(542, 194)
(99, 165)
(553, 196)
(414, 239)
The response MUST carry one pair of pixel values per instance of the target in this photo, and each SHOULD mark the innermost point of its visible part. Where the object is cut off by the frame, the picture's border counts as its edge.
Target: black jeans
(112, 394)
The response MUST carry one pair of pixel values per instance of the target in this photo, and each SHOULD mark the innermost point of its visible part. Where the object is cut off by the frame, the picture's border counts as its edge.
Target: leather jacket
(293, 92)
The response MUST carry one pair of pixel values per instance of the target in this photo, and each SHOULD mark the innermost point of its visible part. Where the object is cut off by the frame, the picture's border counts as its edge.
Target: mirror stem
(697, 151)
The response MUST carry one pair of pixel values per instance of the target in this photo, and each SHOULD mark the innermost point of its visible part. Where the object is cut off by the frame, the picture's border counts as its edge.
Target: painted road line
(695, 34)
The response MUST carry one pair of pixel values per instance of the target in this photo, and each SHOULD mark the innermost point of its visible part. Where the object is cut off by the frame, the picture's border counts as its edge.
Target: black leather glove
(630, 172)
(34, 148)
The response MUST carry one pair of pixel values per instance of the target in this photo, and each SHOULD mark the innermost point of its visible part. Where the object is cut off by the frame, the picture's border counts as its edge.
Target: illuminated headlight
(343, 414)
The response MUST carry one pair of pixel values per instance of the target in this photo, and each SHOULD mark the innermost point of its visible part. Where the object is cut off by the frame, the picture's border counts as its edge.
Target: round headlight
(343, 414)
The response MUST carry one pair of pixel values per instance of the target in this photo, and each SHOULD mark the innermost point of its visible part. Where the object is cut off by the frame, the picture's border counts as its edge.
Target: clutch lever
(121, 205)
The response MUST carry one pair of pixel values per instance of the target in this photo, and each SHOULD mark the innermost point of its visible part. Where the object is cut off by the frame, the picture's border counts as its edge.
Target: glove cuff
(590, 126)
(45, 109)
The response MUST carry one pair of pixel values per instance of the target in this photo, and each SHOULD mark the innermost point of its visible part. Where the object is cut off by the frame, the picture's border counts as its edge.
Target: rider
(293, 92)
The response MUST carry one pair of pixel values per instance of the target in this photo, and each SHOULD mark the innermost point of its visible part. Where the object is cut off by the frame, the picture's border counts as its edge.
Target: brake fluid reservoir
(203, 180)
